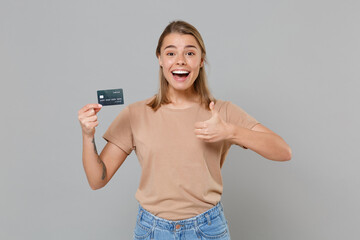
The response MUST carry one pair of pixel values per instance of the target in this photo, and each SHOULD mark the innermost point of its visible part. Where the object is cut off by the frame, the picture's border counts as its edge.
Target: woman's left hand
(213, 130)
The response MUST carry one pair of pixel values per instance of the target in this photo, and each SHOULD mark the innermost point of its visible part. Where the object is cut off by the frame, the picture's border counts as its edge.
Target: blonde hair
(200, 85)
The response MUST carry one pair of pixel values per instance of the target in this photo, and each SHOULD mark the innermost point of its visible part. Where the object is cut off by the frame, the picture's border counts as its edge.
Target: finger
(89, 106)
(98, 109)
(90, 112)
(200, 125)
(208, 139)
(203, 137)
(88, 116)
(92, 119)
(200, 132)
(92, 125)
(203, 132)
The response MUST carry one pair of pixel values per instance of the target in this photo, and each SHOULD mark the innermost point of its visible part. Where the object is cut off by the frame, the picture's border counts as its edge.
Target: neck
(182, 98)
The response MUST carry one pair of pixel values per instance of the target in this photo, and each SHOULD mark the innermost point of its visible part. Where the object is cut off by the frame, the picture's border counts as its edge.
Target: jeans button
(178, 226)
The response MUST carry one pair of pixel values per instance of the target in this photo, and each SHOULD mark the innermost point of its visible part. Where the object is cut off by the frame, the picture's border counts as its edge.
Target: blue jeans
(211, 224)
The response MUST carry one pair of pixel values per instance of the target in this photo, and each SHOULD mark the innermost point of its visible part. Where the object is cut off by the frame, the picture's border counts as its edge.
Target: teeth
(180, 72)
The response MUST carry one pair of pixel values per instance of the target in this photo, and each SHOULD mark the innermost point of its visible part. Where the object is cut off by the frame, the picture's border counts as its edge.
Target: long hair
(200, 85)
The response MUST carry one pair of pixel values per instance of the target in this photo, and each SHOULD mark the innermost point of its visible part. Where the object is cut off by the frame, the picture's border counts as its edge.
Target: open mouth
(180, 75)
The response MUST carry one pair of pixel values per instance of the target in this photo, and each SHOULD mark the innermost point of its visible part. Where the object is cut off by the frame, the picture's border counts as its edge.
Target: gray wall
(293, 65)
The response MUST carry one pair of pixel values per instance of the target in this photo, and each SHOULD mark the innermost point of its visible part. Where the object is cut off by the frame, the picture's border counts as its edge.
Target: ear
(202, 63)
(160, 62)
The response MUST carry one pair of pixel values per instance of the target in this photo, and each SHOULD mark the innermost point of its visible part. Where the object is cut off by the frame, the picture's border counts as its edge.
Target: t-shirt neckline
(180, 109)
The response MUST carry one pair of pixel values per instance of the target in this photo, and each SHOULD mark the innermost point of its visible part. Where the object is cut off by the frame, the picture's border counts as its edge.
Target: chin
(179, 86)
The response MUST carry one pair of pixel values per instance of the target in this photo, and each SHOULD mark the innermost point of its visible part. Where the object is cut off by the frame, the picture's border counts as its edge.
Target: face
(180, 58)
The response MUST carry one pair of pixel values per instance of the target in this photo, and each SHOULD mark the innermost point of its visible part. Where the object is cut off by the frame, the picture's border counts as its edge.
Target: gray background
(293, 65)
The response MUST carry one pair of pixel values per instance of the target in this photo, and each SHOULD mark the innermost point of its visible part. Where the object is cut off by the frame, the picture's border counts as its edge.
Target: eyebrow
(187, 46)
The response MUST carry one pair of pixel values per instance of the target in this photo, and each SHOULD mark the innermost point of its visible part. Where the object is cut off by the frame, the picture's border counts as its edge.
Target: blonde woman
(181, 137)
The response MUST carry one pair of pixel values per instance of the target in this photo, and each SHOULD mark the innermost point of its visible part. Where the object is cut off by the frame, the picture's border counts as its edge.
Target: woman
(181, 137)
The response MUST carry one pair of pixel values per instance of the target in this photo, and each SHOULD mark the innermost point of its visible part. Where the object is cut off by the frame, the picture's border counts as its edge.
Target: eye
(170, 54)
(190, 53)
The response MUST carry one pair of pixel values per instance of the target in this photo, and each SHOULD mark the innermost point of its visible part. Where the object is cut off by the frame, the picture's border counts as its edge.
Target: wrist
(230, 131)
(88, 137)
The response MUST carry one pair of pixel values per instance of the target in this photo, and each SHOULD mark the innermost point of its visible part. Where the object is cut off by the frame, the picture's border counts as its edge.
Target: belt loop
(153, 229)
(208, 219)
(221, 206)
(197, 229)
(173, 227)
(140, 215)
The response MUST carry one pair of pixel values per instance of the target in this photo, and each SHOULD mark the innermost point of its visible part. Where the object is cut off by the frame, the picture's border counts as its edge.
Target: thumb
(212, 108)
(97, 109)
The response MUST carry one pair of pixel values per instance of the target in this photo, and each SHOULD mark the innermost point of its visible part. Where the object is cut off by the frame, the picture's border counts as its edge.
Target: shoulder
(221, 105)
(227, 105)
(140, 106)
(230, 109)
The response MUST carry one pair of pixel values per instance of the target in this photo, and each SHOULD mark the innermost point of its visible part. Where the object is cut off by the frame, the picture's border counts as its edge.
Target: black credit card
(110, 97)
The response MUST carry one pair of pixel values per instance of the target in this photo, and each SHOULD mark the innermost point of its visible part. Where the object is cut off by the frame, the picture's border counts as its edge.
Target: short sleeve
(237, 116)
(120, 132)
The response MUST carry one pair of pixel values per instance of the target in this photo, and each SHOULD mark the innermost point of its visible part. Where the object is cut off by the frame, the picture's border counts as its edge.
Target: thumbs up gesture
(214, 129)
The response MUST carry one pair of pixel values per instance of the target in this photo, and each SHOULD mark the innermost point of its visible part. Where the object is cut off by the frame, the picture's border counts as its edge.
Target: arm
(261, 140)
(99, 169)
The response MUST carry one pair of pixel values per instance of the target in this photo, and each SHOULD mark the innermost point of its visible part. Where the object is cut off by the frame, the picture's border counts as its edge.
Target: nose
(181, 60)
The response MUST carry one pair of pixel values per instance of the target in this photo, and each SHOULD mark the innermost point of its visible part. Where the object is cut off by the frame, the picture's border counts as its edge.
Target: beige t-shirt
(181, 174)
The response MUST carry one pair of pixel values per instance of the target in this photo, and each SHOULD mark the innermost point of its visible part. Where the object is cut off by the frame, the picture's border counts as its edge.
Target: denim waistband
(173, 225)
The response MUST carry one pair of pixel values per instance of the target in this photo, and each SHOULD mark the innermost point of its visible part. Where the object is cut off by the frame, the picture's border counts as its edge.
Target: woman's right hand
(88, 119)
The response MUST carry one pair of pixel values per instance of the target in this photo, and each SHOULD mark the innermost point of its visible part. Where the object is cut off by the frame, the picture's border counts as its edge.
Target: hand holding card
(110, 97)
(88, 119)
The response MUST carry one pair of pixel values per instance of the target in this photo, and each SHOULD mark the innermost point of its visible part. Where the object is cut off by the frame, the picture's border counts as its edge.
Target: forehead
(179, 40)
